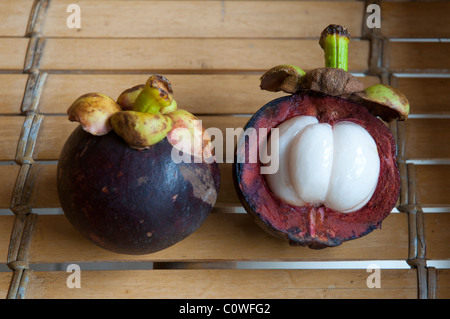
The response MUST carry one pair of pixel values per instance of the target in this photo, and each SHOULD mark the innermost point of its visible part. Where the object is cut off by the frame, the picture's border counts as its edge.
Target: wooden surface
(225, 283)
(203, 19)
(56, 241)
(214, 52)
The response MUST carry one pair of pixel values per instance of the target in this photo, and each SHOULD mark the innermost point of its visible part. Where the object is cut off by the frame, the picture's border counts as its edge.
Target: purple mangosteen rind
(317, 227)
(129, 201)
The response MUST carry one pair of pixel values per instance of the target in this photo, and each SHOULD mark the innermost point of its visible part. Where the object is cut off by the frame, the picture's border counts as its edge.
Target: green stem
(334, 41)
(147, 101)
(154, 96)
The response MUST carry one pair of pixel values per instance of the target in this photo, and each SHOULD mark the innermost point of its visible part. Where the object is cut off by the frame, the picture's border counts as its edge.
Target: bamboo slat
(6, 226)
(227, 192)
(8, 176)
(214, 283)
(427, 138)
(223, 237)
(437, 235)
(53, 133)
(5, 281)
(12, 87)
(211, 19)
(14, 16)
(422, 135)
(426, 95)
(443, 284)
(10, 128)
(430, 57)
(212, 94)
(197, 93)
(193, 55)
(44, 193)
(55, 130)
(428, 19)
(433, 185)
(12, 53)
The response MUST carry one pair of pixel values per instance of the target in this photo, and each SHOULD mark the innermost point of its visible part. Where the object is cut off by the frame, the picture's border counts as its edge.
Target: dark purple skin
(130, 201)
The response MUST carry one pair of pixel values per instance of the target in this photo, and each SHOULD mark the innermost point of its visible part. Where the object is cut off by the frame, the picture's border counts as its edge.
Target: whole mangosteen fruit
(137, 175)
(331, 175)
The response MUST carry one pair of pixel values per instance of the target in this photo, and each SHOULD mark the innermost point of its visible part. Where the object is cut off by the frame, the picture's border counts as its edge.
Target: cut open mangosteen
(333, 175)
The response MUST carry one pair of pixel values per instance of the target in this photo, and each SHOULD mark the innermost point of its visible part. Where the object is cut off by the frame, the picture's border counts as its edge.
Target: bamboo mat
(213, 52)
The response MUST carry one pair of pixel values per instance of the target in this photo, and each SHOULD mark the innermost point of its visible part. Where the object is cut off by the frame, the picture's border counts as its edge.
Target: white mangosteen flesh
(319, 164)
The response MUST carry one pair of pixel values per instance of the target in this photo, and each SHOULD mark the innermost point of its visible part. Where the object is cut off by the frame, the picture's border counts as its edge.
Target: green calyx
(141, 130)
(143, 122)
(93, 112)
(334, 79)
(384, 101)
(283, 77)
(142, 115)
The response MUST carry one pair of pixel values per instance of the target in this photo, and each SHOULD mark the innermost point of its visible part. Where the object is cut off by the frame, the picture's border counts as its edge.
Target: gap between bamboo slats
(236, 283)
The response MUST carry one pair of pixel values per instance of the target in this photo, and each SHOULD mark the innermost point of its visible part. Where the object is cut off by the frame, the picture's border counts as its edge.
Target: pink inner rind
(318, 227)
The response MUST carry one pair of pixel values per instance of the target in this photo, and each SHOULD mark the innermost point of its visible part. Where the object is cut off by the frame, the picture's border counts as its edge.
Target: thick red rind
(317, 227)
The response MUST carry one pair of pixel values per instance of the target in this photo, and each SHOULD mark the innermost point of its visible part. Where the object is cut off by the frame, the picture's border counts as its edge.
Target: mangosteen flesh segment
(129, 201)
(319, 164)
(310, 201)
